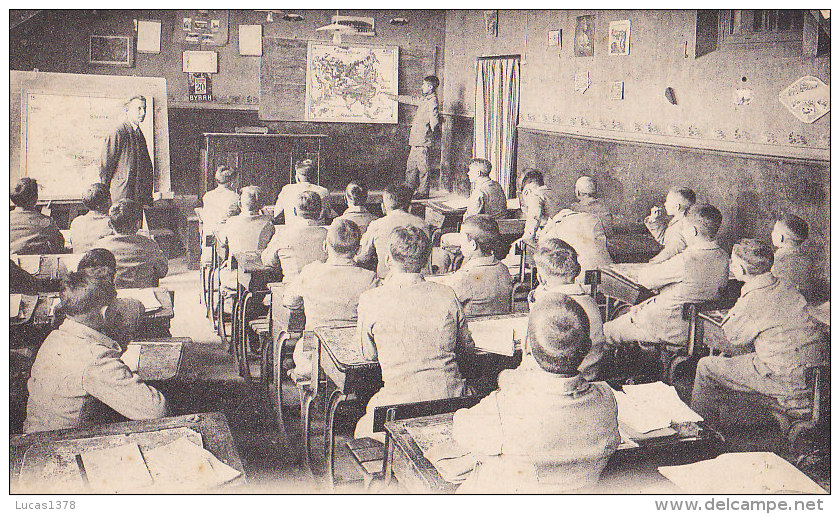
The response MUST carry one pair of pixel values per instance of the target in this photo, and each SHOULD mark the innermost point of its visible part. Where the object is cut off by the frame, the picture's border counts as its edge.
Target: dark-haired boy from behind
(557, 268)
(327, 293)
(483, 283)
(30, 232)
(301, 240)
(87, 229)
(78, 364)
(357, 212)
(791, 261)
(546, 429)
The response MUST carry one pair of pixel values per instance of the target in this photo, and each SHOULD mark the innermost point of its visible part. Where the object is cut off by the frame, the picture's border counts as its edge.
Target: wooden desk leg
(522, 249)
(242, 335)
(306, 406)
(336, 398)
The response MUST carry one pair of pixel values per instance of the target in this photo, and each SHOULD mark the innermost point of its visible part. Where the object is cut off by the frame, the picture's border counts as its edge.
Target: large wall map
(346, 83)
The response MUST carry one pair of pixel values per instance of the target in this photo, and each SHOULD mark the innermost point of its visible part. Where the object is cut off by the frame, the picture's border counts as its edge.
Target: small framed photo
(619, 37)
(112, 50)
(186, 24)
(491, 23)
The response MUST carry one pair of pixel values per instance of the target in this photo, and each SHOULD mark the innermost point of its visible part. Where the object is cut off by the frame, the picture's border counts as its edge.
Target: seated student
(140, 263)
(546, 429)
(771, 316)
(327, 293)
(669, 233)
(483, 284)
(538, 203)
(300, 241)
(218, 205)
(356, 197)
(374, 247)
(584, 232)
(557, 267)
(791, 261)
(487, 196)
(305, 175)
(30, 232)
(122, 315)
(89, 228)
(246, 232)
(696, 274)
(414, 328)
(78, 364)
(585, 189)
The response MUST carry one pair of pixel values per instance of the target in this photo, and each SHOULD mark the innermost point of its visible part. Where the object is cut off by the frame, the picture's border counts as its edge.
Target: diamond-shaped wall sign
(808, 98)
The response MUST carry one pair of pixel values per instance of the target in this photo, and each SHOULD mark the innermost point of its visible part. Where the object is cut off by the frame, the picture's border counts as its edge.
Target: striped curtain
(496, 116)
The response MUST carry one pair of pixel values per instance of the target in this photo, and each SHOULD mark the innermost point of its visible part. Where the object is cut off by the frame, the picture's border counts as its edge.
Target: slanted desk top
(212, 426)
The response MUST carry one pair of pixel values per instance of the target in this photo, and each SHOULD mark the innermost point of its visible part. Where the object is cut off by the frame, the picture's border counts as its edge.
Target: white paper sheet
(741, 473)
(131, 357)
(148, 36)
(30, 263)
(498, 335)
(146, 296)
(115, 470)
(664, 398)
(183, 466)
(250, 40)
(14, 305)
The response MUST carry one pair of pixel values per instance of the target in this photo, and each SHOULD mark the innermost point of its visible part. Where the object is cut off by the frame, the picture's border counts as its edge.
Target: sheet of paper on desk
(146, 296)
(452, 461)
(638, 417)
(131, 357)
(498, 335)
(14, 305)
(116, 470)
(71, 260)
(454, 202)
(30, 263)
(741, 473)
(182, 466)
(663, 398)
(513, 204)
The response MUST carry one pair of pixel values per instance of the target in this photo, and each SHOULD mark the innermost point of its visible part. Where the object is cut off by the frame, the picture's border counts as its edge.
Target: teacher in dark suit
(126, 167)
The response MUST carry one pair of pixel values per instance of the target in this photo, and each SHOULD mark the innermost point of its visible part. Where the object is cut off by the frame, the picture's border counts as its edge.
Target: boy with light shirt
(790, 261)
(669, 233)
(87, 229)
(248, 231)
(140, 262)
(414, 328)
(327, 293)
(356, 197)
(483, 283)
(696, 274)
(374, 249)
(487, 195)
(78, 364)
(583, 232)
(538, 202)
(546, 429)
(585, 189)
(771, 317)
(300, 241)
(305, 177)
(557, 268)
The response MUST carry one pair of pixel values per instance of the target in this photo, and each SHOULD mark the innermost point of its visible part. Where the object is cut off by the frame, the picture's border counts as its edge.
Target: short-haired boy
(306, 174)
(669, 233)
(546, 429)
(30, 232)
(770, 316)
(396, 201)
(77, 365)
(414, 328)
(538, 202)
(696, 274)
(327, 293)
(585, 191)
(140, 262)
(557, 268)
(301, 240)
(357, 212)
(248, 231)
(87, 229)
(483, 283)
(487, 195)
(585, 233)
(791, 261)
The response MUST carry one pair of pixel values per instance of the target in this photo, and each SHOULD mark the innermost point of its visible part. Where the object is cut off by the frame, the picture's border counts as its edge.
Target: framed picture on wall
(112, 50)
(619, 37)
(585, 36)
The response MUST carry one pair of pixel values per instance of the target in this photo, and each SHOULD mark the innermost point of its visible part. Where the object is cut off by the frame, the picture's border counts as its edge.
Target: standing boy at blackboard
(421, 137)
(126, 167)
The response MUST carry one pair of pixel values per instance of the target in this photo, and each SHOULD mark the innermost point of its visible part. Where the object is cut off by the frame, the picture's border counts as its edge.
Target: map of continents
(345, 84)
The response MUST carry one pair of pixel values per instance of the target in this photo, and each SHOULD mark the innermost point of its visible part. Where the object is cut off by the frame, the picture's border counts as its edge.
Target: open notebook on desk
(650, 410)
(154, 360)
(498, 335)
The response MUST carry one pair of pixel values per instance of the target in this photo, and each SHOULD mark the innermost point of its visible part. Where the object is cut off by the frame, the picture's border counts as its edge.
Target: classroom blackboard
(57, 123)
(283, 76)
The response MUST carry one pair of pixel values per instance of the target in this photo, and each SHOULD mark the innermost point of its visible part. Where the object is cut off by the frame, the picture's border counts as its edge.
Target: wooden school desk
(418, 475)
(618, 290)
(338, 358)
(47, 270)
(252, 278)
(212, 426)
